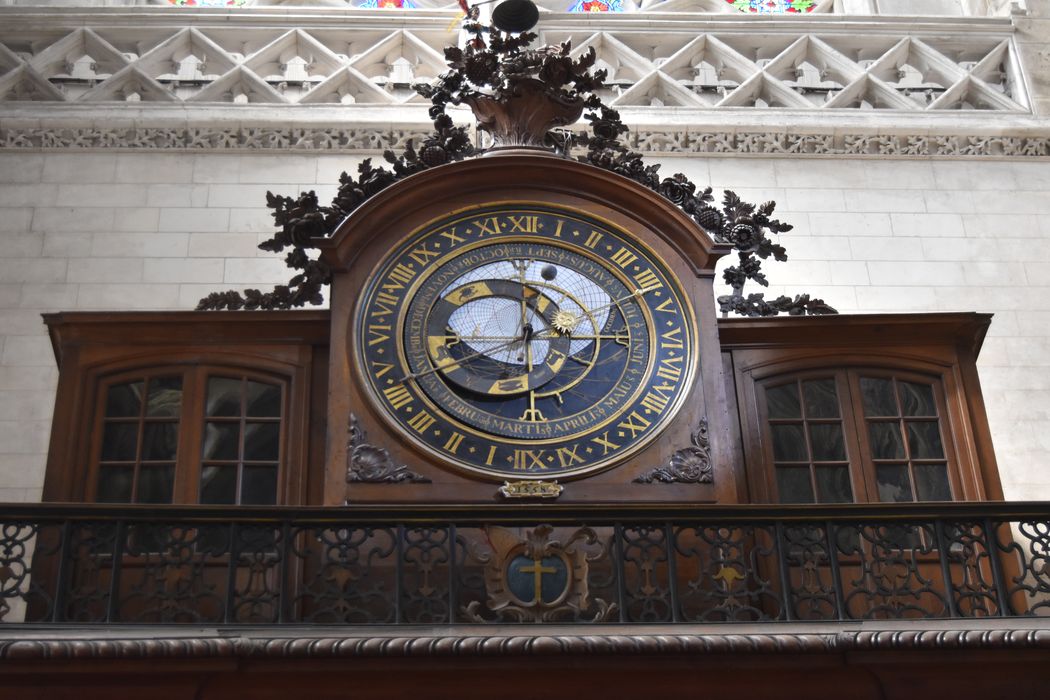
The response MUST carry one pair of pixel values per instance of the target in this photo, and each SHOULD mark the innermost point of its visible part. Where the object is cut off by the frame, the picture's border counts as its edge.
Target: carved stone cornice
(364, 139)
(371, 139)
(268, 643)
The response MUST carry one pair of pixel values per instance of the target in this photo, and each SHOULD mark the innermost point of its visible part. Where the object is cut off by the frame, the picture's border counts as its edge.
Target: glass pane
(917, 399)
(833, 485)
(124, 400)
(924, 439)
(259, 486)
(119, 441)
(114, 484)
(793, 485)
(264, 400)
(893, 483)
(221, 441)
(826, 441)
(782, 401)
(261, 442)
(224, 396)
(900, 536)
(155, 484)
(789, 445)
(886, 441)
(219, 485)
(160, 441)
(878, 398)
(931, 481)
(165, 397)
(821, 399)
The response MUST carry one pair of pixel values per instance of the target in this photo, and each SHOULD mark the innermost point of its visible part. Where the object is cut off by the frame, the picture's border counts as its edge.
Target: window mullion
(862, 466)
(808, 440)
(188, 455)
(136, 472)
(241, 437)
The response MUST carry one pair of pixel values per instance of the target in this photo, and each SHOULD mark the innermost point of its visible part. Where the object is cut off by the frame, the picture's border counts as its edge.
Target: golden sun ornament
(564, 322)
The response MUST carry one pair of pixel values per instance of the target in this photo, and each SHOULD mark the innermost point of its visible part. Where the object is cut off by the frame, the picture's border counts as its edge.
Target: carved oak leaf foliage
(755, 305)
(520, 96)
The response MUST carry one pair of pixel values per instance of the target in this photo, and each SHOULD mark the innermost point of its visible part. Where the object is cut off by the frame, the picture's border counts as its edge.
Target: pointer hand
(566, 321)
(466, 358)
(525, 336)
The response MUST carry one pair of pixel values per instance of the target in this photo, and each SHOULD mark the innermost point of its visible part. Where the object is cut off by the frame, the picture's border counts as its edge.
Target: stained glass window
(597, 6)
(773, 7)
(388, 5)
(208, 3)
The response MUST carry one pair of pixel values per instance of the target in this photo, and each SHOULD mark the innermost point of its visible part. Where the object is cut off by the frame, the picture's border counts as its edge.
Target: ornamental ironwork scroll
(77, 563)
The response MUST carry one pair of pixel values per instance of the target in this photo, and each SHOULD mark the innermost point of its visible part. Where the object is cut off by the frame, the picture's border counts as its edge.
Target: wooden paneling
(95, 348)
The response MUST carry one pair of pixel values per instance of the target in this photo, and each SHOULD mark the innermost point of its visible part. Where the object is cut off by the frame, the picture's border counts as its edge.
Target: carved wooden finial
(523, 114)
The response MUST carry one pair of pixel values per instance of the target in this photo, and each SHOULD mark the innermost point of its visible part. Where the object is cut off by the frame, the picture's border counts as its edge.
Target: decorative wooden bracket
(689, 465)
(370, 464)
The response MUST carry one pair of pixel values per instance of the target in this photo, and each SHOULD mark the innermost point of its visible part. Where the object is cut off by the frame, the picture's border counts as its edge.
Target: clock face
(525, 342)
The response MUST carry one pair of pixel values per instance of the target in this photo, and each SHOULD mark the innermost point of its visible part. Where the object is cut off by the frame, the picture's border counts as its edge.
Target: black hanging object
(515, 16)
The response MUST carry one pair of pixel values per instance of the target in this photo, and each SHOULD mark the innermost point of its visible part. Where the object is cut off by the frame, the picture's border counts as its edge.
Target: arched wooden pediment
(524, 177)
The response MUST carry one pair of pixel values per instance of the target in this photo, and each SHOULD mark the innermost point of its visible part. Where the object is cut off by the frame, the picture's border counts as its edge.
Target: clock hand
(568, 321)
(524, 328)
(466, 358)
(527, 336)
(614, 302)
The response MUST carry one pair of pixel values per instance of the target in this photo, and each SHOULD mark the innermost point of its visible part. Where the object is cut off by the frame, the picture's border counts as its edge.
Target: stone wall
(158, 230)
(899, 204)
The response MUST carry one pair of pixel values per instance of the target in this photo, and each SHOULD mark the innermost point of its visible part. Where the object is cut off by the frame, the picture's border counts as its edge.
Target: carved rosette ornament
(370, 464)
(689, 465)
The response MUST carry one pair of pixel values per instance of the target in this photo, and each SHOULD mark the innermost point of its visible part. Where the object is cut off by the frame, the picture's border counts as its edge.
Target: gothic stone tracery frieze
(367, 140)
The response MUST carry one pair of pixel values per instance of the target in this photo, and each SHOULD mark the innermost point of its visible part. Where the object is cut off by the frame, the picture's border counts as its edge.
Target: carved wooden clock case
(524, 324)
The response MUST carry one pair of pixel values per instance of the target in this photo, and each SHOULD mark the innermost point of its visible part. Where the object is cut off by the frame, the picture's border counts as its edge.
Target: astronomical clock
(524, 326)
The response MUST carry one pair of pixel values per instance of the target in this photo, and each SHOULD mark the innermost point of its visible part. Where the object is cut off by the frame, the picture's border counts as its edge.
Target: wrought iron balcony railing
(447, 565)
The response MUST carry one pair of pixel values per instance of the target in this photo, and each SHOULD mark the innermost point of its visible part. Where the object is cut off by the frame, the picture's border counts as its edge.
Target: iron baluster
(946, 571)
(231, 574)
(63, 573)
(399, 572)
(997, 571)
(285, 573)
(619, 565)
(453, 593)
(785, 578)
(672, 570)
(118, 563)
(831, 533)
